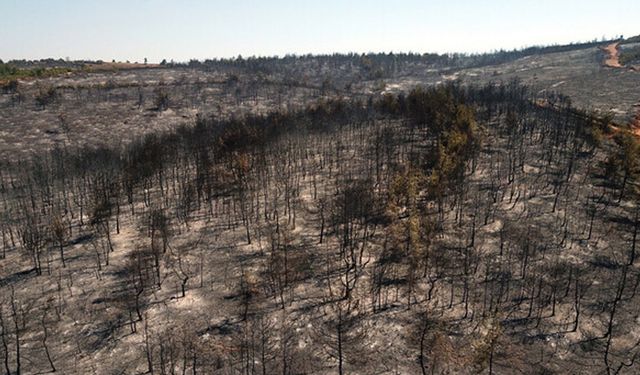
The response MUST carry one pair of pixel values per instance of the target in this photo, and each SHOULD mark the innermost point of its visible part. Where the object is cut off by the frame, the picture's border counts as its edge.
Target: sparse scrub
(161, 100)
(45, 96)
(630, 56)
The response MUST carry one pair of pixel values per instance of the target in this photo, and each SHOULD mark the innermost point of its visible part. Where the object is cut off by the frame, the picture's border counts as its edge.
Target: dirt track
(635, 123)
(612, 59)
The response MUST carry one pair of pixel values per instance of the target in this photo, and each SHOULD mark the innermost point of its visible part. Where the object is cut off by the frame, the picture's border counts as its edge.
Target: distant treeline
(370, 65)
(10, 72)
(381, 65)
(633, 39)
(45, 63)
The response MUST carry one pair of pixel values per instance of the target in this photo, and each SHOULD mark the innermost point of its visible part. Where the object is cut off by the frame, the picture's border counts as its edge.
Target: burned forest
(332, 214)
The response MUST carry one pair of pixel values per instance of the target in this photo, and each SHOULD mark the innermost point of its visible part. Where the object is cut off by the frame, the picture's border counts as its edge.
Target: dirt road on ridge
(612, 60)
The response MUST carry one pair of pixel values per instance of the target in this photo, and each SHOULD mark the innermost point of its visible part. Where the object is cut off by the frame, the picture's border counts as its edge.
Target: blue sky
(184, 29)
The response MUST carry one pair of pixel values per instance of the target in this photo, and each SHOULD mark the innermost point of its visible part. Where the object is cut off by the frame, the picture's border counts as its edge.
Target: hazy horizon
(200, 29)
